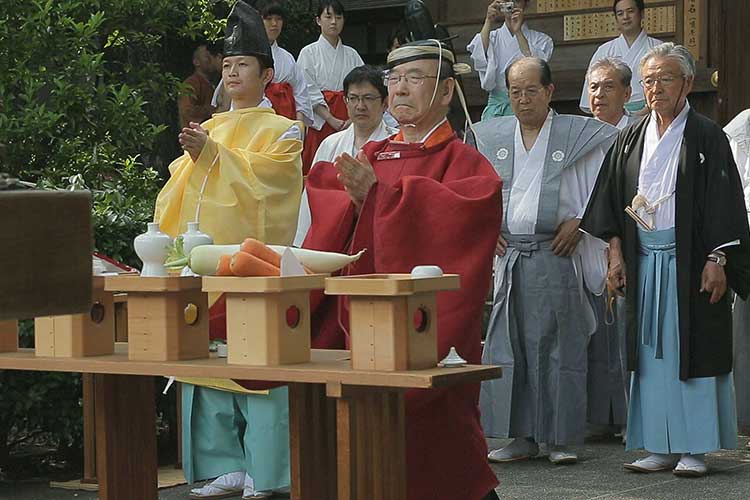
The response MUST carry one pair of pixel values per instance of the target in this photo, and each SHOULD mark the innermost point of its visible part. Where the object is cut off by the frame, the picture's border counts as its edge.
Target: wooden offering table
(347, 428)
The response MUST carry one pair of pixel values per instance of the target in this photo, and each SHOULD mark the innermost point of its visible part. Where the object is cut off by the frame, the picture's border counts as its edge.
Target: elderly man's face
(665, 86)
(528, 97)
(607, 95)
(410, 89)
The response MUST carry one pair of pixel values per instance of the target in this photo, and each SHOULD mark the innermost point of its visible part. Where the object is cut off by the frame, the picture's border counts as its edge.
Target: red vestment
(437, 203)
(281, 95)
(313, 138)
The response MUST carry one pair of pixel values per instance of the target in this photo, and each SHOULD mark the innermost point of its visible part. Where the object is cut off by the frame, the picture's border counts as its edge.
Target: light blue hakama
(668, 415)
(498, 104)
(225, 432)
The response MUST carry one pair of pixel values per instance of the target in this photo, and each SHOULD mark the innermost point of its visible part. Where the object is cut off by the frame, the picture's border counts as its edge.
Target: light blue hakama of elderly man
(669, 201)
(542, 317)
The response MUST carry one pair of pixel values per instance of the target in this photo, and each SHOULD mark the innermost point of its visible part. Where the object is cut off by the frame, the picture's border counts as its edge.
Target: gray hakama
(741, 325)
(541, 318)
(607, 373)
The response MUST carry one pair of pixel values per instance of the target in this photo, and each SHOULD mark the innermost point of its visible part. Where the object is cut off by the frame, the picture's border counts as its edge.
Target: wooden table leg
(126, 461)
(371, 442)
(312, 439)
(89, 434)
(178, 398)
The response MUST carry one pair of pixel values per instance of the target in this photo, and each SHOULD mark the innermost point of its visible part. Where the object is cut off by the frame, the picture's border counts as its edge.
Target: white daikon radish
(320, 262)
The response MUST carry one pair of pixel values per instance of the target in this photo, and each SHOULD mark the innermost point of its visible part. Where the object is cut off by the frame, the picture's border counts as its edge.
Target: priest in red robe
(420, 197)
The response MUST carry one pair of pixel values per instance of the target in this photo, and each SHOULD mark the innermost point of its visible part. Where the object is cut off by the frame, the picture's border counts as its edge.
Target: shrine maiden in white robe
(503, 49)
(325, 68)
(542, 317)
(286, 70)
(630, 55)
(333, 146)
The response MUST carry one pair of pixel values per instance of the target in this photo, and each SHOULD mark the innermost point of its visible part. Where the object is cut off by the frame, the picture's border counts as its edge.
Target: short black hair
(397, 33)
(334, 5)
(545, 73)
(270, 8)
(639, 4)
(366, 74)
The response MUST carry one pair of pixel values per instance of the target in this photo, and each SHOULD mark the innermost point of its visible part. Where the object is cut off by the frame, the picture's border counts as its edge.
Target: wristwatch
(718, 257)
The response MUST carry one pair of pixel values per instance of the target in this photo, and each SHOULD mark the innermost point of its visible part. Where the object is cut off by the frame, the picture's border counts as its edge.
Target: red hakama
(437, 203)
(281, 95)
(313, 138)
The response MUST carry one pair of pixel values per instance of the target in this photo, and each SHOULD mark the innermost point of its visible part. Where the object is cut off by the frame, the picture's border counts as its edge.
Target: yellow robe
(253, 189)
(254, 185)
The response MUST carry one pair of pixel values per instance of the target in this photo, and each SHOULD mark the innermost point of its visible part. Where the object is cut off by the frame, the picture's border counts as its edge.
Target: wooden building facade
(712, 29)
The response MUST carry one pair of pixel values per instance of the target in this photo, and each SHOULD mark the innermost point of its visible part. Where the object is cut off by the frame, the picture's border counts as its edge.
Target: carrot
(261, 250)
(245, 264)
(224, 267)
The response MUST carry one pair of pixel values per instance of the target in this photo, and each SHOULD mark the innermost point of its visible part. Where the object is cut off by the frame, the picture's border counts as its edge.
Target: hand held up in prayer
(566, 238)
(192, 139)
(501, 247)
(357, 176)
(713, 281)
(615, 268)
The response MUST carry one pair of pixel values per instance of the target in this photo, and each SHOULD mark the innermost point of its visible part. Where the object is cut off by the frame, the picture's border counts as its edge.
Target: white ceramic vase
(192, 238)
(152, 247)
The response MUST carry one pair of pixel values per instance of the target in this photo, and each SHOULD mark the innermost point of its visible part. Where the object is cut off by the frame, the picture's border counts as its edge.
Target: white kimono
(325, 68)
(618, 48)
(331, 147)
(738, 131)
(286, 70)
(503, 50)
(576, 184)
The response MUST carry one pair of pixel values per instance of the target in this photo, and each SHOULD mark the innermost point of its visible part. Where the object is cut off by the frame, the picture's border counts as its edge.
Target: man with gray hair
(607, 388)
(544, 269)
(669, 201)
(609, 90)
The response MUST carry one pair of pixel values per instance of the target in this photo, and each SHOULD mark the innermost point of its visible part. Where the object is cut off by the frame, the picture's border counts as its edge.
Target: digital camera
(507, 6)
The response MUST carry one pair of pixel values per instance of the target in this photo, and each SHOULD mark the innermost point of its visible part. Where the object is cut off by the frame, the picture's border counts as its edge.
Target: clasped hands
(192, 139)
(356, 175)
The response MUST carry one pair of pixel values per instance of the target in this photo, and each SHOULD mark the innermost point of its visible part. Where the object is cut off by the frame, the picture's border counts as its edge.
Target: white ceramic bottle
(192, 238)
(152, 247)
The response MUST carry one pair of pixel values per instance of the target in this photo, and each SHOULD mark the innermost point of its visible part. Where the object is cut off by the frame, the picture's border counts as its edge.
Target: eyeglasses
(665, 81)
(530, 92)
(393, 79)
(366, 99)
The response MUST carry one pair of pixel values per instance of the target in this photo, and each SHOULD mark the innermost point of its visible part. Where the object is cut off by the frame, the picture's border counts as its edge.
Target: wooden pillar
(89, 433)
(312, 439)
(126, 463)
(734, 62)
(371, 442)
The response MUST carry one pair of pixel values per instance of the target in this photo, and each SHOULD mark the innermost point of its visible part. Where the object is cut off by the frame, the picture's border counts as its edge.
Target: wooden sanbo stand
(393, 319)
(167, 317)
(79, 335)
(268, 318)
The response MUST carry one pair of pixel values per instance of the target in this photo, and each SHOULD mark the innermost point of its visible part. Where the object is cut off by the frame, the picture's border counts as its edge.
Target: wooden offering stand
(8, 336)
(268, 318)
(393, 319)
(79, 335)
(167, 317)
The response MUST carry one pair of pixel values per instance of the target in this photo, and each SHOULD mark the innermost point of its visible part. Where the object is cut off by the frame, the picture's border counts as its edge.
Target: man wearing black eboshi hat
(240, 177)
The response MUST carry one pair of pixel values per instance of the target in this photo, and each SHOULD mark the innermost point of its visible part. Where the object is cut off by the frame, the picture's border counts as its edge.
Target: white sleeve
(542, 47)
(302, 95)
(576, 185)
(293, 132)
(306, 63)
(485, 62)
(742, 160)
